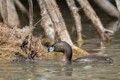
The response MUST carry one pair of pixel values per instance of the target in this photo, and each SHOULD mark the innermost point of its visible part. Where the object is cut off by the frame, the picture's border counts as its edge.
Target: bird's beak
(51, 49)
(37, 54)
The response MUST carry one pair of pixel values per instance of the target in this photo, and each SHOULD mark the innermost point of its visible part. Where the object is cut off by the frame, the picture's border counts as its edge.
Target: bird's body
(21, 58)
(64, 47)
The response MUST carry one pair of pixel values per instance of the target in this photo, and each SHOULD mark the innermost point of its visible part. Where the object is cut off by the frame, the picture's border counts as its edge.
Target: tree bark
(58, 21)
(90, 13)
(3, 10)
(21, 7)
(13, 19)
(46, 22)
(118, 5)
(107, 7)
(77, 20)
(30, 13)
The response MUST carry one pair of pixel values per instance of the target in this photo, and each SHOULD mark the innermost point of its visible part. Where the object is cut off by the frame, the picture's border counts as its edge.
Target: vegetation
(13, 34)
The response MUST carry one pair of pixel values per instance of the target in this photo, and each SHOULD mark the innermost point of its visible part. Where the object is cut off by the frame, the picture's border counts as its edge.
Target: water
(49, 70)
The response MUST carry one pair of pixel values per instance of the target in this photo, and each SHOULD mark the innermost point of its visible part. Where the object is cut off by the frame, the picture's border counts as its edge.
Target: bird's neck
(68, 56)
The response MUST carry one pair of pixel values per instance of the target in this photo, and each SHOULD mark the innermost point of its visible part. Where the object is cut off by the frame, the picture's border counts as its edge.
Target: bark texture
(108, 7)
(13, 19)
(90, 13)
(58, 21)
(46, 22)
(21, 7)
(3, 11)
(77, 20)
(118, 5)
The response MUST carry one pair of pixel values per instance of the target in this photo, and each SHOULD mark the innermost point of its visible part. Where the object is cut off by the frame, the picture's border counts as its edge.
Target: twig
(37, 22)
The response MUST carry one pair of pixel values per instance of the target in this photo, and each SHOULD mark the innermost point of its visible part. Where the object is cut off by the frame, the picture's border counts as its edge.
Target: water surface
(50, 70)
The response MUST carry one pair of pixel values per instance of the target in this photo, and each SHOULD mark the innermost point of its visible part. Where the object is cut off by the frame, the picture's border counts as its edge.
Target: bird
(66, 49)
(21, 58)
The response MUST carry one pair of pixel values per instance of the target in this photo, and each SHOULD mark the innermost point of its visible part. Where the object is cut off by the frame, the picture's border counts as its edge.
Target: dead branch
(46, 21)
(77, 20)
(118, 4)
(13, 18)
(58, 21)
(21, 7)
(90, 13)
(107, 7)
(4, 11)
(30, 13)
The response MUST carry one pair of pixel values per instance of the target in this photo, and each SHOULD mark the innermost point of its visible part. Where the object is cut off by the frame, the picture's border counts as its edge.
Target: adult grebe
(64, 47)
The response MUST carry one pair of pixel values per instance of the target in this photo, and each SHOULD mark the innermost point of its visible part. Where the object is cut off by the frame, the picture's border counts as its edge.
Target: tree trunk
(46, 22)
(58, 21)
(21, 7)
(13, 19)
(3, 10)
(90, 13)
(109, 8)
(77, 20)
(118, 5)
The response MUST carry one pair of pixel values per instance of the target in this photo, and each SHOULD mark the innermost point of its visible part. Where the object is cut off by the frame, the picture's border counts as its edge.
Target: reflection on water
(49, 70)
